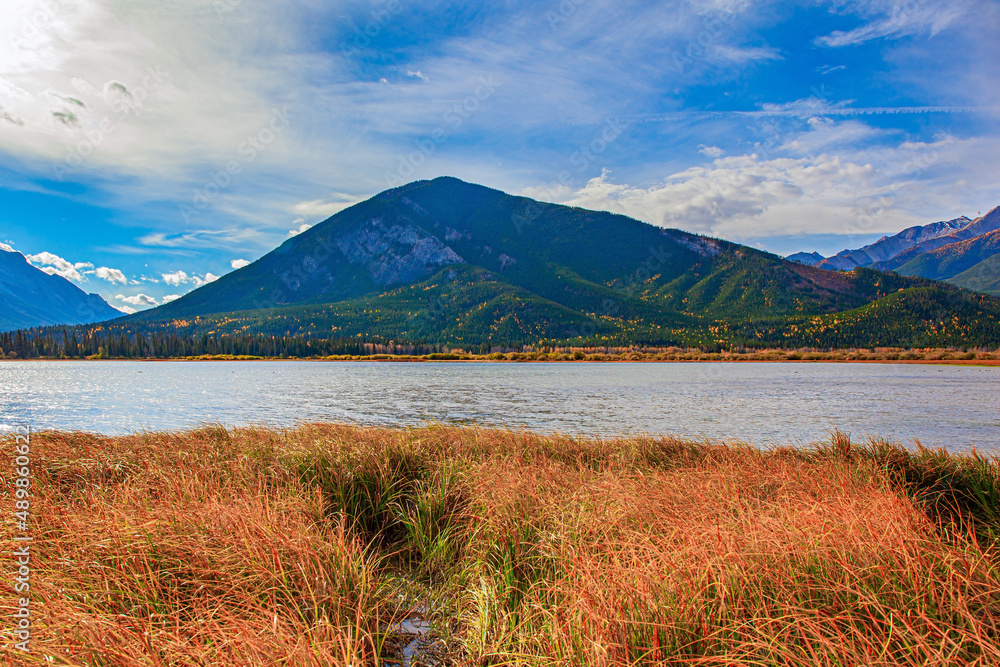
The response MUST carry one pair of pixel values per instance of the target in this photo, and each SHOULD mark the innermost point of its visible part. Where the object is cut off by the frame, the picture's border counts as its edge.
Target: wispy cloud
(744, 54)
(199, 239)
(897, 18)
(324, 208)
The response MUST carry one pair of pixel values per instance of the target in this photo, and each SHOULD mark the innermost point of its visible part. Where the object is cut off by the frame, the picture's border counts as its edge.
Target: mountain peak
(446, 260)
(30, 297)
(992, 213)
(807, 258)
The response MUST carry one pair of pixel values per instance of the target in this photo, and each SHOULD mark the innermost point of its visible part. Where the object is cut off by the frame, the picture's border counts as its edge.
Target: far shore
(916, 357)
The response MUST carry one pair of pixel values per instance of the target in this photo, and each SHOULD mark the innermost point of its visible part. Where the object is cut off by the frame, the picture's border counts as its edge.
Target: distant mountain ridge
(30, 297)
(807, 258)
(963, 252)
(978, 227)
(891, 246)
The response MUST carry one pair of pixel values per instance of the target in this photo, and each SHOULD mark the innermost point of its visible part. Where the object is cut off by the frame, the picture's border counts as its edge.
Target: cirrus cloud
(897, 18)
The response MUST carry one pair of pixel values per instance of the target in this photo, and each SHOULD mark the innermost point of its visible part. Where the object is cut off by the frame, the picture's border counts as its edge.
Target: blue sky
(147, 147)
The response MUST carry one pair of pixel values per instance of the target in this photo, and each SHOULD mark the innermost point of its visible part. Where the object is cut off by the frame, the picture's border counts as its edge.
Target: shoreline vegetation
(949, 356)
(332, 544)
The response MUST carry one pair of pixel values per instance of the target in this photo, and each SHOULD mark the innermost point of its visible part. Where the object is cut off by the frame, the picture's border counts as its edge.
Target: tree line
(71, 343)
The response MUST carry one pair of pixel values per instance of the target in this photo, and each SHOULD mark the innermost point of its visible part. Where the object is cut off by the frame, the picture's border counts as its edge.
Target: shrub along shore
(333, 544)
(629, 354)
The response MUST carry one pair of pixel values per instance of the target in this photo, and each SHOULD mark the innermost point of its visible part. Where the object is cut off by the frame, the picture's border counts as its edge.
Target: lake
(957, 407)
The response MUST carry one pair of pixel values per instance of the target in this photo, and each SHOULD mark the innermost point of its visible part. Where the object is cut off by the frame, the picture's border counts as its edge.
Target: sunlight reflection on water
(955, 407)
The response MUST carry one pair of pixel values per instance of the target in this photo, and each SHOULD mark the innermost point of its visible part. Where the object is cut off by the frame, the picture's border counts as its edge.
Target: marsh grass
(310, 547)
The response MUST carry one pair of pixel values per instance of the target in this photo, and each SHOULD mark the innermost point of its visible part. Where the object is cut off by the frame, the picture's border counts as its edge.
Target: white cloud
(171, 297)
(416, 74)
(128, 310)
(741, 196)
(301, 228)
(56, 265)
(138, 300)
(76, 271)
(711, 151)
(239, 263)
(111, 275)
(849, 190)
(176, 279)
(6, 248)
(182, 278)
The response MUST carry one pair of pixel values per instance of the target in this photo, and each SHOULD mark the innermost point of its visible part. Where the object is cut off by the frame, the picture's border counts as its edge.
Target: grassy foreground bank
(313, 546)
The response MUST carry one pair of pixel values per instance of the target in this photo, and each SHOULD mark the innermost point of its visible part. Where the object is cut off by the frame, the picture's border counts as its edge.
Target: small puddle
(420, 630)
(417, 645)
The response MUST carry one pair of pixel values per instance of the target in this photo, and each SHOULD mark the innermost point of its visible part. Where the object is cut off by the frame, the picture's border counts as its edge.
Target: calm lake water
(954, 407)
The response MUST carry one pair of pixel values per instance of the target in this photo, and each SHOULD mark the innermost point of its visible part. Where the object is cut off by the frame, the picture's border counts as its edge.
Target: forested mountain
(448, 262)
